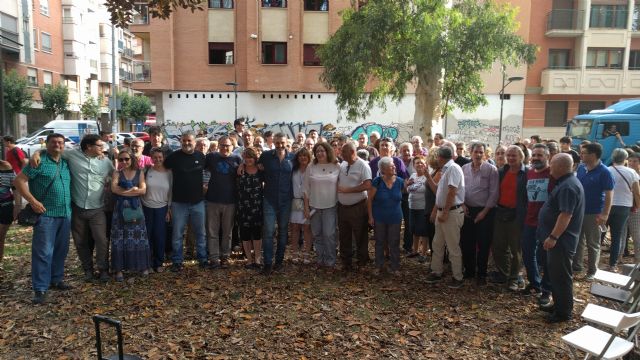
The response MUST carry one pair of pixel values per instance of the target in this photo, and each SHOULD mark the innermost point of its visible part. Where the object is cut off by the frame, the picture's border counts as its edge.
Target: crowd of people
(534, 204)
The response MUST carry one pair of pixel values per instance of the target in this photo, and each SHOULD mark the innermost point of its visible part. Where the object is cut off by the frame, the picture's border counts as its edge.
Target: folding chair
(97, 319)
(615, 279)
(600, 344)
(627, 294)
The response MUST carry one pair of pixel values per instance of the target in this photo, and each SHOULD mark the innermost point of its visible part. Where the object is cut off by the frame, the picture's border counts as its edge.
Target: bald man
(559, 224)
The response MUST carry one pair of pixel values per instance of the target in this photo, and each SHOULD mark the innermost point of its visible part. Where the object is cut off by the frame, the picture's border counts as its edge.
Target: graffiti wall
(399, 132)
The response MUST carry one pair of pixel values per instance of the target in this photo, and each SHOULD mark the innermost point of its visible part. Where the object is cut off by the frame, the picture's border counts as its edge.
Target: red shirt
(16, 162)
(539, 186)
(508, 190)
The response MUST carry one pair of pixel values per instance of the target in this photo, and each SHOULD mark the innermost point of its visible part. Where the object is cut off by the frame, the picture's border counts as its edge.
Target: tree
(17, 98)
(389, 44)
(122, 10)
(124, 98)
(90, 108)
(138, 107)
(55, 99)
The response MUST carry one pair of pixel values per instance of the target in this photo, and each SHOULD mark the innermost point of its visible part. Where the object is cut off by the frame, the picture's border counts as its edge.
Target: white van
(72, 129)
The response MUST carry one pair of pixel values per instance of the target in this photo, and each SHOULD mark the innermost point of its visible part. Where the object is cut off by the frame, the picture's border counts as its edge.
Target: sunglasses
(124, 159)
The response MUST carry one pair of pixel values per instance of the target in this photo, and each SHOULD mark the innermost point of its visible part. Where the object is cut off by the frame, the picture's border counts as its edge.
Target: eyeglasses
(135, 146)
(224, 145)
(124, 159)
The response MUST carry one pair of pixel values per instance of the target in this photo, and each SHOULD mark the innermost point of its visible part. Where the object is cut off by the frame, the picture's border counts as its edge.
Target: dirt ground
(300, 313)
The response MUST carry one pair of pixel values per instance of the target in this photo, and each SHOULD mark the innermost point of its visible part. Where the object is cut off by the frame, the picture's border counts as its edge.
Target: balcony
(576, 81)
(565, 23)
(127, 53)
(9, 40)
(608, 17)
(126, 76)
(142, 71)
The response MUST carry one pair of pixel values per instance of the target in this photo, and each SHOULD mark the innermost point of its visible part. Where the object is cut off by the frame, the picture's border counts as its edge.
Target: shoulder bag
(27, 216)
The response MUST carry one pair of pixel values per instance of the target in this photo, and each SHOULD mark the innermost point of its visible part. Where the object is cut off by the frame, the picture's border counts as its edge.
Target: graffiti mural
(468, 130)
(398, 132)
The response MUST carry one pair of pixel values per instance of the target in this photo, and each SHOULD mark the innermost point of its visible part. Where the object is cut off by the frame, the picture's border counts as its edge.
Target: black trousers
(559, 262)
(475, 242)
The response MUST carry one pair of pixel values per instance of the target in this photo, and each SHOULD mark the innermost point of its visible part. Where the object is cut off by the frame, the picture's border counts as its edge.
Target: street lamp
(235, 97)
(505, 82)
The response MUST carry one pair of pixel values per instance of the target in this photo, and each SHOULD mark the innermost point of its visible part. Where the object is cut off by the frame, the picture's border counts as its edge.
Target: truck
(617, 126)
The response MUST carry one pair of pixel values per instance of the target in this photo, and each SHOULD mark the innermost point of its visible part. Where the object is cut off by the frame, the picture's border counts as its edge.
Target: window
(220, 53)
(605, 58)
(634, 60)
(32, 77)
(316, 5)
(9, 31)
(274, 53)
(310, 58)
(220, 4)
(141, 15)
(608, 16)
(612, 127)
(45, 41)
(44, 7)
(274, 3)
(47, 78)
(559, 58)
(66, 15)
(555, 113)
(71, 82)
(35, 38)
(584, 107)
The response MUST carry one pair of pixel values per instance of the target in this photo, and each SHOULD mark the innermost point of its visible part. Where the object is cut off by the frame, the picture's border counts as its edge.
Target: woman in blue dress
(129, 244)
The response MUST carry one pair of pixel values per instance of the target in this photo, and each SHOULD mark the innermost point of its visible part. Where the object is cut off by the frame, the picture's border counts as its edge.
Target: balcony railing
(608, 18)
(126, 75)
(565, 19)
(127, 52)
(142, 71)
(68, 20)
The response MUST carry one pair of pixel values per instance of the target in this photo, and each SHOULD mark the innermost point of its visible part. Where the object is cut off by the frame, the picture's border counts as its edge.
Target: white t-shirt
(622, 195)
(158, 188)
(417, 192)
(321, 185)
(351, 176)
(451, 176)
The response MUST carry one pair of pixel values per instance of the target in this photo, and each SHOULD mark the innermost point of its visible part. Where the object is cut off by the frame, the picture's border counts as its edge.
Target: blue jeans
(271, 216)
(155, 219)
(180, 214)
(617, 222)
(534, 256)
(323, 227)
(49, 248)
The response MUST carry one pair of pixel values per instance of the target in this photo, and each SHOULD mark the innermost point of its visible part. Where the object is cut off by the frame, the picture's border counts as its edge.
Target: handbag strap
(46, 191)
(623, 178)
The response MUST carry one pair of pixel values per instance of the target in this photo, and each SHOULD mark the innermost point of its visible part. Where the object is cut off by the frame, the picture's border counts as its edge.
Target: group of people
(535, 204)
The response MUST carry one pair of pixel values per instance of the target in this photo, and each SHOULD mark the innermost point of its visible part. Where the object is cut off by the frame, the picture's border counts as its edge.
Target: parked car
(31, 145)
(142, 135)
(121, 136)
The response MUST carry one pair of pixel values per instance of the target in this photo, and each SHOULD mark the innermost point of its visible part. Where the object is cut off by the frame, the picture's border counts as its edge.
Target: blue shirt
(278, 188)
(595, 182)
(386, 206)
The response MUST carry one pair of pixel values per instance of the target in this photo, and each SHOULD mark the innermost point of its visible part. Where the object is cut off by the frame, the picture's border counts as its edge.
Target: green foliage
(122, 10)
(17, 96)
(387, 44)
(138, 107)
(55, 99)
(90, 108)
(124, 98)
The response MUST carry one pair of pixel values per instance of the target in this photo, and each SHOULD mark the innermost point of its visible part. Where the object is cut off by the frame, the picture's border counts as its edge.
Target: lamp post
(235, 97)
(505, 82)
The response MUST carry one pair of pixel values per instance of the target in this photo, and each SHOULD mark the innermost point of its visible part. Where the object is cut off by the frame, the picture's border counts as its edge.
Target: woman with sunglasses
(129, 245)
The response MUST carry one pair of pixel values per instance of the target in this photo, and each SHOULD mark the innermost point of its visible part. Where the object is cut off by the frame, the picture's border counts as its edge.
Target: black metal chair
(97, 319)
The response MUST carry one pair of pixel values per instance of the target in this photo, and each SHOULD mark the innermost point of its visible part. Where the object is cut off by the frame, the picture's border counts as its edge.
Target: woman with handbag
(129, 243)
(8, 210)
(297, 220)
(624, 194)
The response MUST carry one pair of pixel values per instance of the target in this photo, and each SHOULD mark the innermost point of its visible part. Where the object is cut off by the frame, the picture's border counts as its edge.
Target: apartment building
(63, 41)
(589, 58)
(264, 50)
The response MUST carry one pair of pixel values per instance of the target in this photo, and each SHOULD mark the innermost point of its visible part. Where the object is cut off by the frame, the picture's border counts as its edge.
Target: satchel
(28, 217)
(297, 205)
(505, 214)
(132, 215)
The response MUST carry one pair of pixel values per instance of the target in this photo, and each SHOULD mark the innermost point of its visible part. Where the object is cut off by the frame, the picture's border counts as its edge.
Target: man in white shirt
(353, 182)
(449, 219)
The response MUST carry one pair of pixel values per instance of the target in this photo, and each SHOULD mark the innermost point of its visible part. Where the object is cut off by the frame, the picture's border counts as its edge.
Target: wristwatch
(551, 236)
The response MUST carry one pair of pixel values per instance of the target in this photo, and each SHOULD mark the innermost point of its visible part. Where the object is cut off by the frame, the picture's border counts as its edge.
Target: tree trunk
(428, 93)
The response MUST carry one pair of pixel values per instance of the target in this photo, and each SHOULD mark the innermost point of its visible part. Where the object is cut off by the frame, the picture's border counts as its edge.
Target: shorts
(6, 214)
(248, 233)
(418, 222)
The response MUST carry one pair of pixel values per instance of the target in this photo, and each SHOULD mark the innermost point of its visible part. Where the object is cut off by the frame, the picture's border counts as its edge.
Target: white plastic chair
(628, 294)
(619, 280)
(600, 344)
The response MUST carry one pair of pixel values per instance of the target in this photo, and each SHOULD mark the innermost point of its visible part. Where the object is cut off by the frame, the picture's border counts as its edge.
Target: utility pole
(114, 108)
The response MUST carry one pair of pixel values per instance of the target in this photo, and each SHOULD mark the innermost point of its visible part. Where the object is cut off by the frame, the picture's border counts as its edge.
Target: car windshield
(579, 129)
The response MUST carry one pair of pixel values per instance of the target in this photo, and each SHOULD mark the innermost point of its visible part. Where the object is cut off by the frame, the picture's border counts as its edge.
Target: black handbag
(27, 216)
